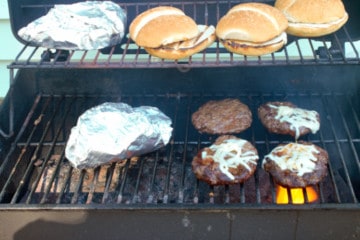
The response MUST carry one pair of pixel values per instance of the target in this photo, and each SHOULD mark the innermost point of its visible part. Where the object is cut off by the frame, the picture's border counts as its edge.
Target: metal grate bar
(63, 188)
(351, 42)
(67, 62)
(51, 182)
(184, 158)
(313, 51)
(151, 191)
(50, 151)
(94, 181)
(56, 136)
(18, 56)
(82, 60)
(33, 158)
(273, 192)
(304, 192)
(79, 184)
(267, 150)
(299, 51)
(23, 150)
(353, 113)
(123, 181)
(339, 149)
(168, 172)
(340, 48)
(136, 197)
(330, 171)
(20, 134)
(257, 183)
(197, 188)
(110, 174)
(328, 53)
(31, 55)
(290, 196)
(242, 193)
(347, 130)
(96, 57)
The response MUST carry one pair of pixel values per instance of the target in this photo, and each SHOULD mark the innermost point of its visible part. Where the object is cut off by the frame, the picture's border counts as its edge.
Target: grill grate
(338, 48)
(35, 171)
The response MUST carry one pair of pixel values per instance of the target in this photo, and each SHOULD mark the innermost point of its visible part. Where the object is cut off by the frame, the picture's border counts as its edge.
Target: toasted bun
(250, 29)
(144, 17)
(160, 26)
(251, 22)
(310, 18)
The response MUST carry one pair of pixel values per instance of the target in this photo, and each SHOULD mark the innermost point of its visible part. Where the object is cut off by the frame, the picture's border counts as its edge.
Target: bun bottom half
(251, 50)
(175, 54)
(315, 30)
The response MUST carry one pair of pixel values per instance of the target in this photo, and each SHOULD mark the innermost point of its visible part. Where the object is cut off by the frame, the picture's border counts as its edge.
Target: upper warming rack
(338, 48)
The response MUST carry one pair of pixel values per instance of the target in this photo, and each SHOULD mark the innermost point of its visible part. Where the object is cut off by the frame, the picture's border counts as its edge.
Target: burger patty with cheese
(298, 164)
(166, 32)
(252, 29)
(229, 160)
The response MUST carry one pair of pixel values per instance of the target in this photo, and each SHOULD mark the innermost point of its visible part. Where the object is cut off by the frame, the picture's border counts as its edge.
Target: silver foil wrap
(86, 25)
(116, 131)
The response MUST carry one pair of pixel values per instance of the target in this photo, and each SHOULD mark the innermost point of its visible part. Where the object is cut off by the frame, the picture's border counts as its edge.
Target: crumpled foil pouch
(85, 25)
(115, 131)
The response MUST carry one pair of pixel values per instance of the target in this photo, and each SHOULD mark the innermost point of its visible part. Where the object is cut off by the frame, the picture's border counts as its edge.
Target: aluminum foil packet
(115, 131)
(85, 25)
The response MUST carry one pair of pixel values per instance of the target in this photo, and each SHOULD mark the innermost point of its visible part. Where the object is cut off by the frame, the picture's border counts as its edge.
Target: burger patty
(229, 160)
(222, 117)
(301, 164)
(290, 122)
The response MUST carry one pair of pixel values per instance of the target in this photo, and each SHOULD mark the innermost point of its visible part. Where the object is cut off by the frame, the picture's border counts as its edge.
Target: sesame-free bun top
(251, 22)
(161, 26)
(312, 18)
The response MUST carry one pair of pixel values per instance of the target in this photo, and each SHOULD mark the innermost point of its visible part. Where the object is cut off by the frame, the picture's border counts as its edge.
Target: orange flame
(297, 195)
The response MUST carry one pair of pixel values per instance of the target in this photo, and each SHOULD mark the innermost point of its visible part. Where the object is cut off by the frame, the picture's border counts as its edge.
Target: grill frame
(204, 220)
(295, 223)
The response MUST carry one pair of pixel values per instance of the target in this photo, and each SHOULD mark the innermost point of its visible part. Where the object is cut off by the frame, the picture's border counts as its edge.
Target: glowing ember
(297, 195)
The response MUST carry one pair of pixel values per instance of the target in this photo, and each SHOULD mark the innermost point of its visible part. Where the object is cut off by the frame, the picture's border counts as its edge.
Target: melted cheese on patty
(297, 118)
(296, 157)
(230, 154)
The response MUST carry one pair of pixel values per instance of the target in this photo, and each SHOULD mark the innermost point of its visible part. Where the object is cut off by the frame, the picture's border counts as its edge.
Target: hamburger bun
(313, 18)
(166, 32)
(252, 29)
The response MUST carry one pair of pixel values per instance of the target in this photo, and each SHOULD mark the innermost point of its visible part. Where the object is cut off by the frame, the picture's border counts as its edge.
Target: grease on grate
(87, 178)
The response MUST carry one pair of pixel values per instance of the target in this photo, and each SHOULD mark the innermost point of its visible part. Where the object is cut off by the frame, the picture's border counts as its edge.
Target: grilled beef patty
(287, 118)
(222, 117)
(229, 160)
(296, 164)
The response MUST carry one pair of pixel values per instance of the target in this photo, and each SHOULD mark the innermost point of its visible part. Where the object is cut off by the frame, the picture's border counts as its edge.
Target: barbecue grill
(156, 196)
